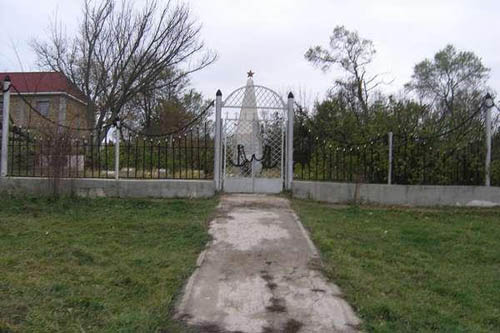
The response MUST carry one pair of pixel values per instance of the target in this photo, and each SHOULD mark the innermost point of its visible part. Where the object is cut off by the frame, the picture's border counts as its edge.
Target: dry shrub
(58, 143)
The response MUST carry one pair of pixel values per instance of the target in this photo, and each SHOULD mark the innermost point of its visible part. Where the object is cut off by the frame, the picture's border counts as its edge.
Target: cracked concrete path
(258, 275)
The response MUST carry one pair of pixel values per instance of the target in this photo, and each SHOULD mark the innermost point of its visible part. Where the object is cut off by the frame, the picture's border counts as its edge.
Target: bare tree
(53, 160)
(164, 114)
(352, 53)
(145, 103)
(120, 52)
(168, 108)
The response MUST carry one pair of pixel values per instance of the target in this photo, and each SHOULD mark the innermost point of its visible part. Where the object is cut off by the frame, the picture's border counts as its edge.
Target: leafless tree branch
(120, 52)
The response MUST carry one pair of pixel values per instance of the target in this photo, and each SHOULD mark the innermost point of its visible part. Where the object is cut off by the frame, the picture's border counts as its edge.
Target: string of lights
(404, 137)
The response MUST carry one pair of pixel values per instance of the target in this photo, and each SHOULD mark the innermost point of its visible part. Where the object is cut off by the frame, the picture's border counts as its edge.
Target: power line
(301, 111)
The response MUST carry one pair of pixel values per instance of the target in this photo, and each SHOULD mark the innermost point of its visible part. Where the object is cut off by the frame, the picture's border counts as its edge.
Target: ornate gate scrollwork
(265, 159)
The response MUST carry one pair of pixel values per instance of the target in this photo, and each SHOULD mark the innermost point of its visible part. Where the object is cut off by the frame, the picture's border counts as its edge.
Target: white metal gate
(253, 133)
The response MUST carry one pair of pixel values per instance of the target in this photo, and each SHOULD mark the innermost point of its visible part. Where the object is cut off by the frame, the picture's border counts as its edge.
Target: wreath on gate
(242, 160)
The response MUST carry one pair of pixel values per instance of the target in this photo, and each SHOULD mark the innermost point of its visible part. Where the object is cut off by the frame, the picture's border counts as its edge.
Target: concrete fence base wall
(413, 195)
(125, 188)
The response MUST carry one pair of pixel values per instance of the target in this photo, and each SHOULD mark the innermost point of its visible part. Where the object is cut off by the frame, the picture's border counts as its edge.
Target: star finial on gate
(250, 73)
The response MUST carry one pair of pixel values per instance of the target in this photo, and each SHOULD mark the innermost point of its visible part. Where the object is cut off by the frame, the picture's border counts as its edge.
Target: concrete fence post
(218, 141)
(117, 150)
(488, 103)
(5, 126)
(389, 168)
(289, 142)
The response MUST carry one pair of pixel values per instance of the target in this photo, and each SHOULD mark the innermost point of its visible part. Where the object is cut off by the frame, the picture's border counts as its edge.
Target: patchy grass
(102, 265)
(412, 270)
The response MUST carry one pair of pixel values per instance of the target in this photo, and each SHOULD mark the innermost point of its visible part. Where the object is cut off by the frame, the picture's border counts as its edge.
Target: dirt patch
(291, 326)
(277, 305)
(272, 285)
(224, 216)
(269, 280)
(317, 290)
(212, 328)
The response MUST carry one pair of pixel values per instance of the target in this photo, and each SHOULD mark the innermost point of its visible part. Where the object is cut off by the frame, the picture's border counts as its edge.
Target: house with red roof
(36, 96)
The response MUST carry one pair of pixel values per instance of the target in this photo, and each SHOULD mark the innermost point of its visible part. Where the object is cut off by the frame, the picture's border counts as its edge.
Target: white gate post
(488, 102)
(289, 143)
(218, 141)
(117, 149)
(5, 126)
(389, 169)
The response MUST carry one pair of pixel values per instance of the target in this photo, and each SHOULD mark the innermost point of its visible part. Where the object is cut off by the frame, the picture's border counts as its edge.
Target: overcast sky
(271, 36)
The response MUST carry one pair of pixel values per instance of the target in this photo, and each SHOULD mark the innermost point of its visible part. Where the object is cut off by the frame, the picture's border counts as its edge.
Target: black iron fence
(190, 155)
(414, 162)
(186, 155)
(439, 163)
(341, 163)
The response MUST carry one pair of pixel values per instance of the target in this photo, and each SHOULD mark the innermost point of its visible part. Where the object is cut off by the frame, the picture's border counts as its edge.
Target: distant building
(51, 94)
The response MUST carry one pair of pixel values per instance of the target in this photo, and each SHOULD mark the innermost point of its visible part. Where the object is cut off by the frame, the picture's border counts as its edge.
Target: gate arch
(254, 120)
(265, 98)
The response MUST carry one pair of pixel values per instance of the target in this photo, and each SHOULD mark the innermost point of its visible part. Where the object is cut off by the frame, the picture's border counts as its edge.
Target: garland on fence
(347, 143)
(405, 137)
(176, 131)
(31, 107)
(451, 130)
(18, 129)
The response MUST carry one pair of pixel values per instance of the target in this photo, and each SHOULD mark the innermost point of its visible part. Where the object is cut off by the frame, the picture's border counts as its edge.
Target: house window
(43, 107)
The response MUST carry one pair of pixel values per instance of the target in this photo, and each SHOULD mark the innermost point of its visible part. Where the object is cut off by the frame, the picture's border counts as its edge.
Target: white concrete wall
(413, 195)
(125, 188)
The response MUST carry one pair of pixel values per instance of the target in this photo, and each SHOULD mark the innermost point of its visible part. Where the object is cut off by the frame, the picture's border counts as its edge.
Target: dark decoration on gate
(242, 159)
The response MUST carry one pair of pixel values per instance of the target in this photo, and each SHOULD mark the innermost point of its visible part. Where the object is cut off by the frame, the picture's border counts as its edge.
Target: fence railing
(341, 163)
(190, 155)
(413, 162)
(187, 155)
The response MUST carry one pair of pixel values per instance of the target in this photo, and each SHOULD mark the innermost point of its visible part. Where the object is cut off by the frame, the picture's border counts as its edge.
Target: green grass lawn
(412, 270)
(102, 265)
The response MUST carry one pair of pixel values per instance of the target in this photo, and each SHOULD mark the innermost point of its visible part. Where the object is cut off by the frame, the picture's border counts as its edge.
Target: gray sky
(271, 36)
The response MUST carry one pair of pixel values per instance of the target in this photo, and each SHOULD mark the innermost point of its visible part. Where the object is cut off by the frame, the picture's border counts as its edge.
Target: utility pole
(488, 103)
(117, 149)
(289, 143)
(5, 126)
(218, 137)
(389, 168)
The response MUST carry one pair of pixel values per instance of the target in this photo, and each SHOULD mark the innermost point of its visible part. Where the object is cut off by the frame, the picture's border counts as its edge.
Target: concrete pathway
(259, 274)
